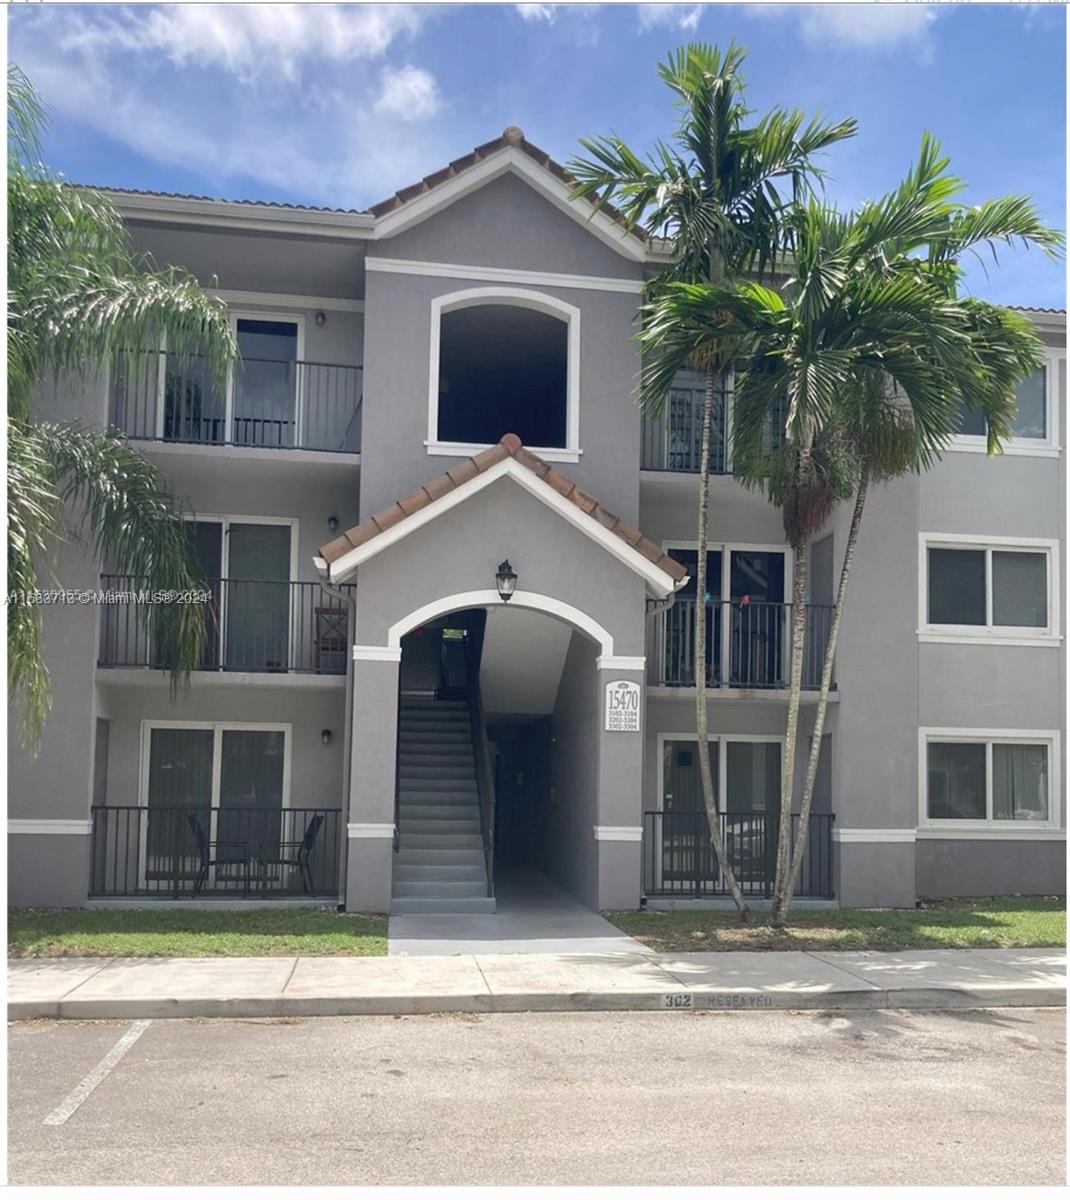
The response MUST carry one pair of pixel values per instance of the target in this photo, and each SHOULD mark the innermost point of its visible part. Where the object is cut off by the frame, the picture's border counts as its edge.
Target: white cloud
(247, 40)
(537, 12)
(409, 93)
(875, 26)
(672, 16)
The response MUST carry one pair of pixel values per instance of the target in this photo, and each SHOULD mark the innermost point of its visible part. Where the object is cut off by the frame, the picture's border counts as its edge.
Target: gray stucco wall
(994, 868)
(460, 551)
(567, 825)
(397, 362)
(507, 223)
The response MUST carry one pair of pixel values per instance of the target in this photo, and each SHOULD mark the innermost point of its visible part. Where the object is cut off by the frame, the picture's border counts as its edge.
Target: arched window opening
(503, 369)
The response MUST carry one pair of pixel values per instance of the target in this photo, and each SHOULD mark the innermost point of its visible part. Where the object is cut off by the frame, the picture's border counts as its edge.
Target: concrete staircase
(439, 866)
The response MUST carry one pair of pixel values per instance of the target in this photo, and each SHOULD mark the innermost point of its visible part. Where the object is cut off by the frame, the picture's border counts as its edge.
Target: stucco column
(618, 829)
(370, 824)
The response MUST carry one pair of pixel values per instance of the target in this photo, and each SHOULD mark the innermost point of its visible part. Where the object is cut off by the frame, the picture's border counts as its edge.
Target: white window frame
(1046, 447)
(989, 827)
(218, 728)
(988, 634)
(518, 298)
(722, 759)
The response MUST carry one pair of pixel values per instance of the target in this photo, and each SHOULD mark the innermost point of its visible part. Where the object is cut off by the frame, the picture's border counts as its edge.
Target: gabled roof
(512, 136)
(343, 555)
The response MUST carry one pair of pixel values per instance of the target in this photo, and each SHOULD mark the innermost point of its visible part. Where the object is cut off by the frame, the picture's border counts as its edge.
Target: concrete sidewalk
(485, 983)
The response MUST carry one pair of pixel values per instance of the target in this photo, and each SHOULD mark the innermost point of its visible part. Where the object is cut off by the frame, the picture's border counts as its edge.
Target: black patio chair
(294, 854)
(214, 854)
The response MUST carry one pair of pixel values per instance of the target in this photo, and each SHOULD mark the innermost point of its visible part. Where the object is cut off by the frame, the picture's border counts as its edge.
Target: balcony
(678, 858)
(748, 645)
(673, 441)
(269, 404)
(190, 851)
(253, 625)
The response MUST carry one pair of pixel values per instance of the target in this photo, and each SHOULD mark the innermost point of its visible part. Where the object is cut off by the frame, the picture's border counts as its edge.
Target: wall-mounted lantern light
(332, 524)
(325, 736)
(506, 581)
(321, 318)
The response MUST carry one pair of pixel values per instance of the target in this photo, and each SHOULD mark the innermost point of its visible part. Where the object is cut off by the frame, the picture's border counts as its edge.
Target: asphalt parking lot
(732, 1098)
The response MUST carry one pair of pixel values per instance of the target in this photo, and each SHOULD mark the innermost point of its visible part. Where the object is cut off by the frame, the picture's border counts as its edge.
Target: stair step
(425, 792)
(421, 840)
(439, 872)
(433, 754)
(438, 824)
(455, 904)
(429, 856)
(434, 887)
(412, 770)
(438, 812)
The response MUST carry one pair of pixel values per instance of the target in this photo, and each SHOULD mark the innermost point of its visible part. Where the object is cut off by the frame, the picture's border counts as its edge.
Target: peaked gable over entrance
(341, 557)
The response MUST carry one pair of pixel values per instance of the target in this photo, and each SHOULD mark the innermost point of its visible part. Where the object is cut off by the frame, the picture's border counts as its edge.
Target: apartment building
(449, 570)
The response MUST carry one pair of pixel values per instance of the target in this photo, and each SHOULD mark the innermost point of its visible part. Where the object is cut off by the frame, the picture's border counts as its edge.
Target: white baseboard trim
(873, 835)
(45, 825)
(370, 829)
(618, 833)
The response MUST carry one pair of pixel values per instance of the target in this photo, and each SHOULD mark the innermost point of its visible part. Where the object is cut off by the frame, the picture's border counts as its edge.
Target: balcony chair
(294, 854)
(213, 855)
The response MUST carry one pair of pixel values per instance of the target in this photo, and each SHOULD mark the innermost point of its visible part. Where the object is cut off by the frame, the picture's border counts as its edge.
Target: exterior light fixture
(321, 318)
(325, 736)
(332, 523)
(506, 581)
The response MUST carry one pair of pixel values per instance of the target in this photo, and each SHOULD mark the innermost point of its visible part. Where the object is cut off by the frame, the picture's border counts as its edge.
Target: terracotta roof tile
(455, 477)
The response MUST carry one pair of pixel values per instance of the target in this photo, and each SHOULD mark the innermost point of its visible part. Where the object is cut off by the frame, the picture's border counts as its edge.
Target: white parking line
(58, 1116)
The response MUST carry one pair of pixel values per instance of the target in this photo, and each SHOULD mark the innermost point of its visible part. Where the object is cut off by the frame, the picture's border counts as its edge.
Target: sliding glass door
(265, 389)
(257, 617)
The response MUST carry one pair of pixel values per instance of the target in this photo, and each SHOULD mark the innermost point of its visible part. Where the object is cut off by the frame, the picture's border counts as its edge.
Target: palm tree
(715, 194)
(77, 294)
(876, 355)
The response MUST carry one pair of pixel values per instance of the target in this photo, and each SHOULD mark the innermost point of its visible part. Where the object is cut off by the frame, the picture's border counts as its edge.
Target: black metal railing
(678, 858)
(748, 644)
(189, 851)
(251, 625)
(673, 441)
(274, 404)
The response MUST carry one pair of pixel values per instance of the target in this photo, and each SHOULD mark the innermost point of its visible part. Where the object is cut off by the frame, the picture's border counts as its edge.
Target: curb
(681, 1000)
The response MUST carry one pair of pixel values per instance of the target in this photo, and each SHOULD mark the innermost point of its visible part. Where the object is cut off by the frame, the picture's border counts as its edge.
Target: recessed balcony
(265, 404)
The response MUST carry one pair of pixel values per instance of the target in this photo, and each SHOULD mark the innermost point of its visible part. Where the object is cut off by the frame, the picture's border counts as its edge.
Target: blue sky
(341, 104)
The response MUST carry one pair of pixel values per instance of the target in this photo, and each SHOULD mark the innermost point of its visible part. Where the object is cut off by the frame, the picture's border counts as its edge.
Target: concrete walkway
(534, 916)
(281, 987)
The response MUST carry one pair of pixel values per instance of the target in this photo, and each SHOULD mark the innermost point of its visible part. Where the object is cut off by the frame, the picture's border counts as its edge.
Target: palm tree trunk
(801, 836)
(799, 575)
(701, 718)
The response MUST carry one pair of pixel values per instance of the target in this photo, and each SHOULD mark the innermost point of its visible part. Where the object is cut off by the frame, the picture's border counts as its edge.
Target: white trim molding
(370, 829)
(515, 297)
(658, 581)
(48, 825)
(989, 634)
(511, 159)
(441, 270)
(991, 835)
(989, 826)
(490, 599)
(621, 662)
(618, 833)
(377, 654)
(873, 835)
(288, 300)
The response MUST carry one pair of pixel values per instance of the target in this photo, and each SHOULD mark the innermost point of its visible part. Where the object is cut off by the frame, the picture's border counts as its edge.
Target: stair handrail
(481, 746)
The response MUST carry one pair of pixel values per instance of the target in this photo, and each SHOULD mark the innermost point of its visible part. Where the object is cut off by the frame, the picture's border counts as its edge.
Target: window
(1032, 427)
(980, 779)
(504, 360)
(973, 588)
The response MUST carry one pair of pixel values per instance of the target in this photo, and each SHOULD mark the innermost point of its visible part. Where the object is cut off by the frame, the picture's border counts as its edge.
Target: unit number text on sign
(622, 706)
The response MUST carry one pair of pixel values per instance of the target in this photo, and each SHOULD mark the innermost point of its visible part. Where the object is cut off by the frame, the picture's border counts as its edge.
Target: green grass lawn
(951, 924)
(190, 933)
